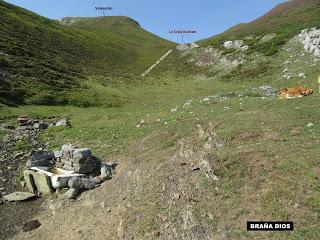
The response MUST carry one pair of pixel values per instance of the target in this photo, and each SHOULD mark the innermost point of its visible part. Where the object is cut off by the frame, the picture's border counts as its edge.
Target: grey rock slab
(42, 155)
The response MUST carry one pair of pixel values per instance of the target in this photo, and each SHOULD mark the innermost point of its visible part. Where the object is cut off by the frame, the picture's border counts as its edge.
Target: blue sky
(207, 17)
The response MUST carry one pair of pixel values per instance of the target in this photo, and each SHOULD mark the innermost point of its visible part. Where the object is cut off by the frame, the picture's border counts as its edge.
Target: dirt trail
(148, 198)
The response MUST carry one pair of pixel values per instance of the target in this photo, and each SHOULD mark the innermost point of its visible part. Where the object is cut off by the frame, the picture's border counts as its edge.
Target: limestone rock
(237, 44)
(310, 38)
(63, 122)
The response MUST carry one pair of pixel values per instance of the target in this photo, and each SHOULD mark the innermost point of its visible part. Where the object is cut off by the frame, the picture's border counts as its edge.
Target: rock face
(18, 196)
(310, 38)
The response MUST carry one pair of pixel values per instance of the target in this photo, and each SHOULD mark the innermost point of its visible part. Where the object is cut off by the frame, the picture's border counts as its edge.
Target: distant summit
(100, 22)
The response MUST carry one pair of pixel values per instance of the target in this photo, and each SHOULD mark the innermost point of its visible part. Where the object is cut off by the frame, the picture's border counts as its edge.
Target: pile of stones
(88, 171)
(311, 40)
(79, 160)
(26, 123)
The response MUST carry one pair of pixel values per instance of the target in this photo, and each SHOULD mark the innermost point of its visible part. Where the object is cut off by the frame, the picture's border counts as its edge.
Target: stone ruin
(72, 168)
(77, 160)
(26, 123)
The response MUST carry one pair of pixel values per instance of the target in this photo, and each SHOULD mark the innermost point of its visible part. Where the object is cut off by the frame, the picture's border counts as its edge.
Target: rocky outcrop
(187, 46)
(310, 38)
(237, 44)
(209, 56)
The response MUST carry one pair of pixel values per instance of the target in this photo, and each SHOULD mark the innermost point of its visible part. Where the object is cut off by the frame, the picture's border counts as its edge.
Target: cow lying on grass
(295, 92)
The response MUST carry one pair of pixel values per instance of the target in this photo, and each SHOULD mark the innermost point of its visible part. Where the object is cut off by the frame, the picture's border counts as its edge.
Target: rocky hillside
(279, 25)
(203, 146)
(49, 62)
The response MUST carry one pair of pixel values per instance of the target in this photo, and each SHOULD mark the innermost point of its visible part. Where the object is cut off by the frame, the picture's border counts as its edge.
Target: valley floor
(195, 161)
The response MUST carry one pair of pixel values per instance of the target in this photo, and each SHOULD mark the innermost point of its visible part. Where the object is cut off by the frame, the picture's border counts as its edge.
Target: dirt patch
(13, 215)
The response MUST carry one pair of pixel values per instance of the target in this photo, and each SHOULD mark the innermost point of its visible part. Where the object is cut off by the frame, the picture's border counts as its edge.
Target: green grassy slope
(286, 20)
(45, 62)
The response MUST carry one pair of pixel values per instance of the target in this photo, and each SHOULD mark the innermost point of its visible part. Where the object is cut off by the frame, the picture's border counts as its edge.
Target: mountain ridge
(38, 55)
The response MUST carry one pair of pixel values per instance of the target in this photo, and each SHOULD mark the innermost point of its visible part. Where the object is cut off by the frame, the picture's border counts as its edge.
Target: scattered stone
(309, 125)
(72, 193)
(302, 75)
(63, 122)
(31, 225)
(1, 202)
(18, 196)
(268, 91)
